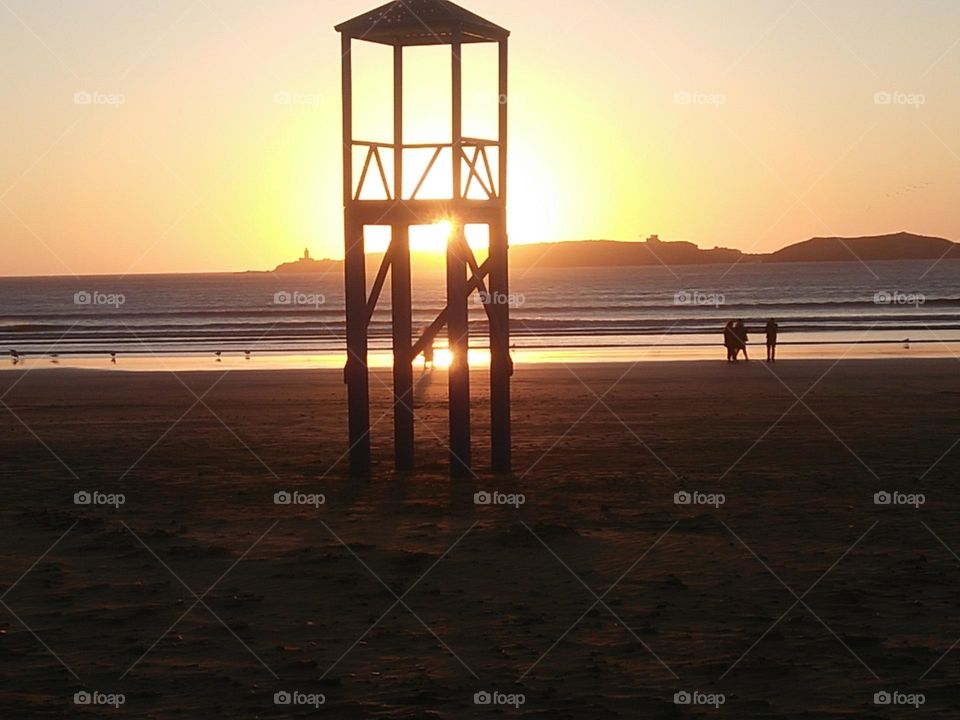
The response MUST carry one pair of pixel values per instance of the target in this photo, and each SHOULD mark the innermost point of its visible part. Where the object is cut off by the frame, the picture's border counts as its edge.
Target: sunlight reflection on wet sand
(481, 357)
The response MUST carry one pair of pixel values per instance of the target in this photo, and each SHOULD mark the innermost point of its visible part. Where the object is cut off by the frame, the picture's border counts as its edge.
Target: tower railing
(474, 153)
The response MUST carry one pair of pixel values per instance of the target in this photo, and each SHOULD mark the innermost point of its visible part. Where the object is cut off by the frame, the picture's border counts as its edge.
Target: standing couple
(735, 340)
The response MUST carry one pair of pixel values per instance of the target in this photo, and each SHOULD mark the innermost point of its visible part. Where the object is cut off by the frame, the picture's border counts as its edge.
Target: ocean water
(889, 308)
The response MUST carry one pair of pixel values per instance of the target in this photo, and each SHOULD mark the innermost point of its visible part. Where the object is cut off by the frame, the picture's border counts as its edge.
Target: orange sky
(212, 137)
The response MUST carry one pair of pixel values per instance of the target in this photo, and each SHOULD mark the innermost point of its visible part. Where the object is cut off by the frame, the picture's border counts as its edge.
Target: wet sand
(497, 598)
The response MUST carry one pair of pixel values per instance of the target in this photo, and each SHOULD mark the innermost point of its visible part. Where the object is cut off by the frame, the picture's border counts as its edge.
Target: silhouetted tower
(401, 24)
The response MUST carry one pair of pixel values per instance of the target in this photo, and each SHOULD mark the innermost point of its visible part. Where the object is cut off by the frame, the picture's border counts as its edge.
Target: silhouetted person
(772, 331)
(730, 341)
(740, 333)
(428, 355)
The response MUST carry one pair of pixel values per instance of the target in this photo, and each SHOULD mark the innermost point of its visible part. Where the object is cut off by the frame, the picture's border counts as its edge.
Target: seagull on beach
(218, 354)
(113, 358)
(247, 354)
(906, 344)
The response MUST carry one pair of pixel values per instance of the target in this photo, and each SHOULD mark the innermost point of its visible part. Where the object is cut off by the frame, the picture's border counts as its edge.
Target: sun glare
(431, 238)
(442, 358)
(427, 239)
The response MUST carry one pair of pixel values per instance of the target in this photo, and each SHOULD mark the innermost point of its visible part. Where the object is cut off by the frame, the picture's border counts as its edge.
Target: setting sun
(426, 238)
(432, 238)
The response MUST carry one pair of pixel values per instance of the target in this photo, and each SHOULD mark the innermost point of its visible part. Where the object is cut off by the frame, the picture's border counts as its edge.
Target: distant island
(654, 251)
(307, 264)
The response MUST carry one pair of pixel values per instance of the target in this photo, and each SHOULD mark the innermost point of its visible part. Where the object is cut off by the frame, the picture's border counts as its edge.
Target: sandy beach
(793, 594)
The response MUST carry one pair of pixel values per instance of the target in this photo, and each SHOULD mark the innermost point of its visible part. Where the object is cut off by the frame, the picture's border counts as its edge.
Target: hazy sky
(744, 123)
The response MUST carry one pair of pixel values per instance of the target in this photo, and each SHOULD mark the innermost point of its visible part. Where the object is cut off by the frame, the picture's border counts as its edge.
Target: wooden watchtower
(402, 24)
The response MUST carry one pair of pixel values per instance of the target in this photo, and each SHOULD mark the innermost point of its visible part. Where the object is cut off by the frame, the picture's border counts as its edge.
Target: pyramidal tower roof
(421, 22)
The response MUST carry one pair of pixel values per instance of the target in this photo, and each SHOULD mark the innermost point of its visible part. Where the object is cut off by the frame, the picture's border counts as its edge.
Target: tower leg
(459, 339)
(356, 374)
(501, 365)
(402, 338)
